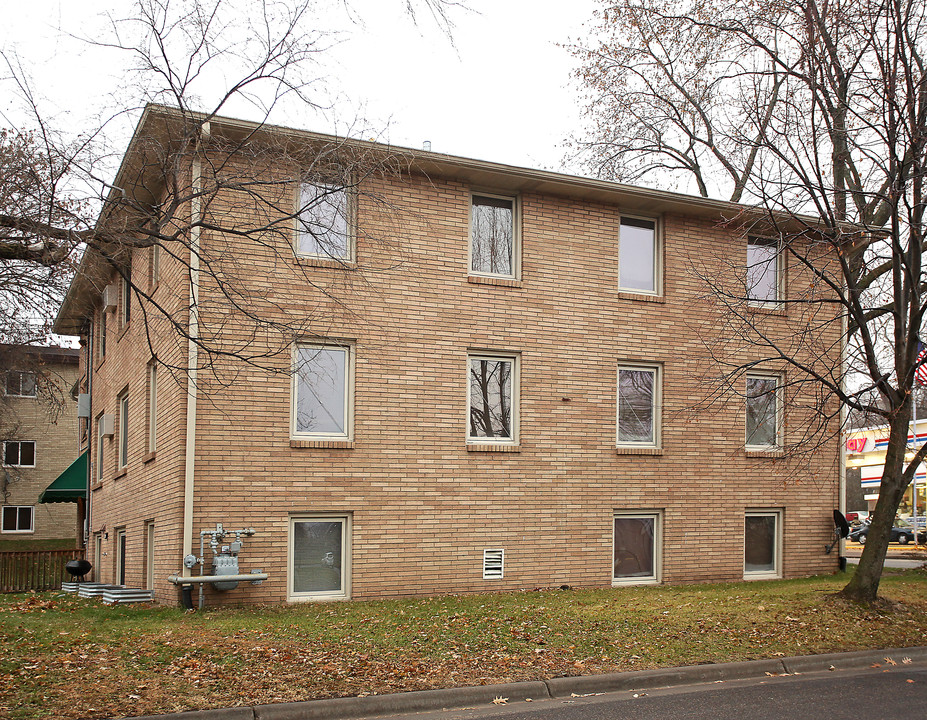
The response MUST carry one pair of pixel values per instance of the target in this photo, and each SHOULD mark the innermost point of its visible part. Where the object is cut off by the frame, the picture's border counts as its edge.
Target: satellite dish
(841, 524)
(841, 530)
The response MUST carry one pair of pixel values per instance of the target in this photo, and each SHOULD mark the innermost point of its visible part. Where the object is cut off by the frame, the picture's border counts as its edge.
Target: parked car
(902, 533)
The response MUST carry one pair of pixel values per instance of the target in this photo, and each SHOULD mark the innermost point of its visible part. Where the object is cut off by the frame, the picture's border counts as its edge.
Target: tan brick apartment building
(500, 383)
(39, 433)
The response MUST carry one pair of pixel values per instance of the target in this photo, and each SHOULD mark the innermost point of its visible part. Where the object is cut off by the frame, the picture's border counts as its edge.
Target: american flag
(920, 373)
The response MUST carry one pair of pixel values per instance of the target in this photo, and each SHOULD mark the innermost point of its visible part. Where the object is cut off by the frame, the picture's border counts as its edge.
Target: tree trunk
(864, 585)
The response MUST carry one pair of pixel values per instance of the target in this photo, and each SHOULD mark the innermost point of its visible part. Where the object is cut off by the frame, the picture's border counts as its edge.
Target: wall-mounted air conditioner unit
(110, 297)
(107, 425)
(83, 405)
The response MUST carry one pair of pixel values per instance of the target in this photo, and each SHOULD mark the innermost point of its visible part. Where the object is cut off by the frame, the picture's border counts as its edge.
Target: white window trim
(346, 535)
(35, 452)
(515, 359)
(516, 236)
(350, 219)
(765, 376)
(122, 448)
(6, 385)
(125, 301)
(348, 435)
(776, 572)
(657, 577)
(656, 404)
(152, 407)
(31, 529)
(780, 273)
(657, 255)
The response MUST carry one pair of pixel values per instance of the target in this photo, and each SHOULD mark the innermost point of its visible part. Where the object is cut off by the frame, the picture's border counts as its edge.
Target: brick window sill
(494, 448)
(777, 309)
(640, 297)
(764, 453)
(638, 451)
(121, 474)
(501, 282)
(149, 457)
(324, 263)
(325, 444)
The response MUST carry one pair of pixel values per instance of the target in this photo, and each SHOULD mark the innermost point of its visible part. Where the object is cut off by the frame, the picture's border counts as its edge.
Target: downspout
(88, 507)
(192, 352)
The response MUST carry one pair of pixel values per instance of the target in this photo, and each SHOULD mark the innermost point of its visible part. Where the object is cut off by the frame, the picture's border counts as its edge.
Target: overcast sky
(501, 91)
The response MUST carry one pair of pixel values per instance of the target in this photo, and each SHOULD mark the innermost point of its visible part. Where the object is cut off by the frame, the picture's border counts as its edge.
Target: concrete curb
(426, 700)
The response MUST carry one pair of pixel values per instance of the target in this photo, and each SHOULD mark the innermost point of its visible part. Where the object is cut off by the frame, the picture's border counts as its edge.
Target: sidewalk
(427, 700)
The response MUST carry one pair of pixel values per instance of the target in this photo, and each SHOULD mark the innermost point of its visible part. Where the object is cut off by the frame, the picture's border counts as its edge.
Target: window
(324, 222)
(101, 433)
(19, 453)
(123, 403)
(493, 246)
(18, 518)
(638, 406)
(636, 542)
(763, 260)
(152, 406)
(762, 541)
(637, 256)
(763, 412)
(154, 264)
(322, 392)
(101, 336)
(319, 557)
(20, 384)
(126, 299)
(492, 401)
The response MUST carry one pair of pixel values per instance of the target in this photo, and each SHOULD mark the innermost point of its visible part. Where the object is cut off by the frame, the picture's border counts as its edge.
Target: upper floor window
(152, 406)
(763, 412)
(125, 304)
(638, 269)
(322, 392)
(123, 455)
(638, 405)
(493, 236)
(323, 228)
(101, 336)
(20, 384)
(19, 453)
(492, 400)
(763, 270)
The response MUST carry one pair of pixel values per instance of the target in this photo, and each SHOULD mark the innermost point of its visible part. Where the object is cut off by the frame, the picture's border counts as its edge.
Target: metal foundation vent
(492, 564)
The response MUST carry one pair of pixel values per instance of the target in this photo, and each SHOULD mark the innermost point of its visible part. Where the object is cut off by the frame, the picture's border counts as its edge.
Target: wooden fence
(24, 570)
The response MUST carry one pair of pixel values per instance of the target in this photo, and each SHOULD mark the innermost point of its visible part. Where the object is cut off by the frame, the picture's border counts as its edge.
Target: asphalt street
(883, 693)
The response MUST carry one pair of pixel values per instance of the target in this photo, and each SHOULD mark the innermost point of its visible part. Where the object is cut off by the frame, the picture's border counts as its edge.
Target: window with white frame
(101, 434)
(18, 519)
(636, 557)
(763, 271)
(19, 453)
(101, 335)
(154, 264)
(763, 412)
(492, 398)
(493, 236)
(19, 384)
(762, 544)
(125, 304)
(322, 392)
(324, 222)
(638, 253)
(152, 406)
(639, 405)
(123, 447)
(319, 557)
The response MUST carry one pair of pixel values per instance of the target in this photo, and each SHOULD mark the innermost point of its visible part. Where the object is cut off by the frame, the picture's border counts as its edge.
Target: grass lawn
(65, 657)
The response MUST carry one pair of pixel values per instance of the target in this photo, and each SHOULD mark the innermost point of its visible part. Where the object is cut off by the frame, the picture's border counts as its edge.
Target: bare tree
(188, 62)
(814, 112)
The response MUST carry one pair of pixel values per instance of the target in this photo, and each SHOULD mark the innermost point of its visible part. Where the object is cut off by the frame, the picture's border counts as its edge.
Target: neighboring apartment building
(39, 432)
(500, 384)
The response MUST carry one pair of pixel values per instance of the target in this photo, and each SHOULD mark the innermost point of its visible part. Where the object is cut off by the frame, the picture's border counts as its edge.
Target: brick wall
(423, 505)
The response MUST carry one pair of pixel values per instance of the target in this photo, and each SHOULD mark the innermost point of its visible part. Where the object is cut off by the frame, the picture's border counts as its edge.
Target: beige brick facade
(420, 503)
(38, 411)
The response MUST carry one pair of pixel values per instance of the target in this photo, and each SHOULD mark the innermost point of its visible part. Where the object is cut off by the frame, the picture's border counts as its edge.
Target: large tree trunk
(864, 585)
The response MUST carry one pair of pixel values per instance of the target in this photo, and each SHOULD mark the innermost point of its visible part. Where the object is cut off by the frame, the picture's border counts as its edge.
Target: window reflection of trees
(635, 405)
(490, 398)
(493, 236)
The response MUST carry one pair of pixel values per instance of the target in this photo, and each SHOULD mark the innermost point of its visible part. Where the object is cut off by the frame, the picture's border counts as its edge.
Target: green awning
(70, 486)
